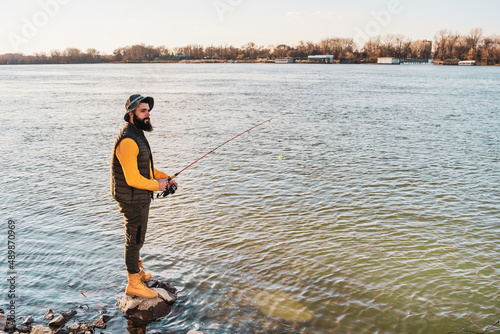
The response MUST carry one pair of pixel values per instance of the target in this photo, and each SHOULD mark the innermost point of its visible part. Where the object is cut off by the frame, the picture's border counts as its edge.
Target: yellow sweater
(127, 152)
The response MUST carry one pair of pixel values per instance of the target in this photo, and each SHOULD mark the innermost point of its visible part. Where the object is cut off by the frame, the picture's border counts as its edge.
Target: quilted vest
(120, 190)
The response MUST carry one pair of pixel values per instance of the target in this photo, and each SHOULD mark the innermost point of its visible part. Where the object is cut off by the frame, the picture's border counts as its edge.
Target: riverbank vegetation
(446, 45)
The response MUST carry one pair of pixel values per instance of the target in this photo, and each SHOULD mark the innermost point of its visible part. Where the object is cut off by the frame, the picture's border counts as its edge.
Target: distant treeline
(446, 45)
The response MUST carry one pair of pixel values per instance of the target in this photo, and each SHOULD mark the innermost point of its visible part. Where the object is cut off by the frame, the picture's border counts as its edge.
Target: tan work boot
(145, 276)
(136, 287)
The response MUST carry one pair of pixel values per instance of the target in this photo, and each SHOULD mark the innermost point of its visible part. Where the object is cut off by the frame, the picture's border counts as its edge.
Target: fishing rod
(173, 188)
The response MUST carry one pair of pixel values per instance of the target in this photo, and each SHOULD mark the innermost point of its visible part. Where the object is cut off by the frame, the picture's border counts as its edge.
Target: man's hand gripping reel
(169, 190)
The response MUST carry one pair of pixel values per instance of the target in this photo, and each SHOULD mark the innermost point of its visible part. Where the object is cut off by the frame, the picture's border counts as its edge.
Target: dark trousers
(136, 224)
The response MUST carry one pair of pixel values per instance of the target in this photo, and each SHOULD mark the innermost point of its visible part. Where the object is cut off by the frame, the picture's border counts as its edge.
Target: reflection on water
(372, 207)
(137, 327)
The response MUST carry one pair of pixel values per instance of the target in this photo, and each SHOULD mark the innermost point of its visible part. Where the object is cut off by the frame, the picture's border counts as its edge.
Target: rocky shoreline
(138, 311)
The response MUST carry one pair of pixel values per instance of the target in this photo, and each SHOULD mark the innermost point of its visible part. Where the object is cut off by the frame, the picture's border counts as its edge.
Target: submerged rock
(280, 304)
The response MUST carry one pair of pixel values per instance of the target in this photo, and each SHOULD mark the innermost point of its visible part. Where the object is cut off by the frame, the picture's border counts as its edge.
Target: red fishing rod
(173, 188)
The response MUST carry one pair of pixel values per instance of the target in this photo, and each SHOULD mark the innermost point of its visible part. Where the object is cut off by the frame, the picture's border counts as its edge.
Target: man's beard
(142, 125)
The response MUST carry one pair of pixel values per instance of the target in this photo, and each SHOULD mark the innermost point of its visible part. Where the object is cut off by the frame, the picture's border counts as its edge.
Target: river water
(372, 206)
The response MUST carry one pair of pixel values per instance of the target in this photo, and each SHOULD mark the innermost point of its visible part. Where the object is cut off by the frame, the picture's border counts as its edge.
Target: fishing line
(173, 188)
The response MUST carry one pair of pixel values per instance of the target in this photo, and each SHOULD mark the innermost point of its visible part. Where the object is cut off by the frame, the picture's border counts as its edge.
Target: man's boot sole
(133, 295)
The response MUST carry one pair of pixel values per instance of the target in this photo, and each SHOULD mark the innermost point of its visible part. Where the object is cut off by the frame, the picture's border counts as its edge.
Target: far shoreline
(246, 61)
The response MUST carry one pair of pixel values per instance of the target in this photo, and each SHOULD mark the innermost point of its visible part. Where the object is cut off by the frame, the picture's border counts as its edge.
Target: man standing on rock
(133, 180)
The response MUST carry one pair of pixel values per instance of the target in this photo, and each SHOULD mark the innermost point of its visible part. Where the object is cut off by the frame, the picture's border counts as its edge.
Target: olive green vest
(120, 190)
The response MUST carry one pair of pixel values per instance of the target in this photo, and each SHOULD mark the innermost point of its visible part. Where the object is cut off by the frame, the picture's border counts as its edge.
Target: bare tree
(487, 49)
(281, 50)
(305, 49)
(461, 48)
(41, 58)
(440, 41)
(72, 55)
(92, 55)
(388, 47)
(454, 45)
(118, 54)
(11, 58)
(447, 44)
(402, 46)
(250, 50)
(336, 46)
(372, 47)
(56, 56)
(474, 38)
(326, 46)
(495, 49)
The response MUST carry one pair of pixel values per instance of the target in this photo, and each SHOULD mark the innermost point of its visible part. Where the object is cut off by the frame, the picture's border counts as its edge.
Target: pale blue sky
(31, 26)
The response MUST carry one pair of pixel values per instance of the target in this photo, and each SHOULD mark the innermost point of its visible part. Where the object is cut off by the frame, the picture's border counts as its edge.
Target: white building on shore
(287, 60)
(388, 61)
(321, 59)
(467, 63)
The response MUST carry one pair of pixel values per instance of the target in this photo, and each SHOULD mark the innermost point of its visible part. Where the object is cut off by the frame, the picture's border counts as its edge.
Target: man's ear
(131, 116)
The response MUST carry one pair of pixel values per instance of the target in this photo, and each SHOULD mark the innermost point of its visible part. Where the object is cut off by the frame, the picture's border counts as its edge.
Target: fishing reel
(170, 190)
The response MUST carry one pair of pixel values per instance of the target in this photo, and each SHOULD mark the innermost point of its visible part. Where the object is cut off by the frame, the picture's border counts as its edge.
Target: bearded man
(133, 181)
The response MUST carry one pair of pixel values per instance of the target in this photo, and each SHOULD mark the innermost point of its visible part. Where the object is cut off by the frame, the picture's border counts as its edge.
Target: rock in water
(101, 322)
(22, 328)
(49, 314)
(10, 327)
(84, 329)
(141, 309)
(37, 329)
(28, 321)
(106, 317)
(73, 327)
(165, 295)
(3, 321)
(62, 319)
(152, 283)
(145, 310)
